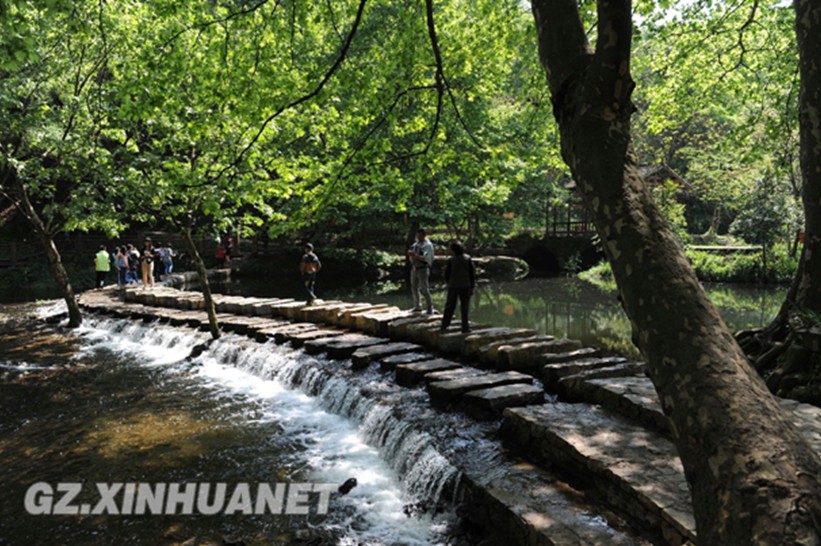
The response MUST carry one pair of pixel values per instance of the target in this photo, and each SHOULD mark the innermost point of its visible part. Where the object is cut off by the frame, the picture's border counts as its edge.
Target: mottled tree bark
(753, 478)
(18, 190)
(808, 32)
(202, 273)
(778, 351)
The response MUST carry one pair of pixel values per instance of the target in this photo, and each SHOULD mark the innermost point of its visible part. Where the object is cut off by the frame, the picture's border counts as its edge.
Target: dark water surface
(121, 402)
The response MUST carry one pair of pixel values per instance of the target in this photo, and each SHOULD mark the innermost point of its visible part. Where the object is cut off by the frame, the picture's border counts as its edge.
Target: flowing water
(129, 405)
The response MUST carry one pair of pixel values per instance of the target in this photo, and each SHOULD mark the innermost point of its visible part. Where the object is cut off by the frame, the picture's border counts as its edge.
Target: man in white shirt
(420, 255)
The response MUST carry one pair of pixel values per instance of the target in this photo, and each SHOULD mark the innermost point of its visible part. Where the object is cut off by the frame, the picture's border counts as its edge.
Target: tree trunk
(75, 316)
(753, 478)
(202, 274)
(777, 350)
(808, 31)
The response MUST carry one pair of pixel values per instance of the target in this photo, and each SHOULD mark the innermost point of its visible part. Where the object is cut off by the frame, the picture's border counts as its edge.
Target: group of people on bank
(460, 277)
(132, 265)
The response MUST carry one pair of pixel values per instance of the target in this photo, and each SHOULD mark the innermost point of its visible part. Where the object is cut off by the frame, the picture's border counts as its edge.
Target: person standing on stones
(460, 276)
(102, 265)
(147, 263)
(309, 266)
(122, 266)
(420, 255)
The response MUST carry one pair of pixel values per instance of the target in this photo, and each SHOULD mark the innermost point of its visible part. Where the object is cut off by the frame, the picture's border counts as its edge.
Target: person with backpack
(309, 266)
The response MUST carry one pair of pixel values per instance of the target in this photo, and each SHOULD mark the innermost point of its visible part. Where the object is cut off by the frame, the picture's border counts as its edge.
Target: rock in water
(346, 487)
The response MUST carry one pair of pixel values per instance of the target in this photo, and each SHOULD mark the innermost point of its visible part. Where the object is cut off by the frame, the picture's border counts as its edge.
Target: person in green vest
(102, 265)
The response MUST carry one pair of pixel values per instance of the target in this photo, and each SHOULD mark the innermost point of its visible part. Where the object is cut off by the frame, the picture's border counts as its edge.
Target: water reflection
(555, 306)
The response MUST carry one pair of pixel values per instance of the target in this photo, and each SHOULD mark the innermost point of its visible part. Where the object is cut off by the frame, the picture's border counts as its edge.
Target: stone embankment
(567, 410)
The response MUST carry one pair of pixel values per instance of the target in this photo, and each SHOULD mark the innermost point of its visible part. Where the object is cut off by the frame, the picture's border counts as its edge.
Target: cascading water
(340, 433)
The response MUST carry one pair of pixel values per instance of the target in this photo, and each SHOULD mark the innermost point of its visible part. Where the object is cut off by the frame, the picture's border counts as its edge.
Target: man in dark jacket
(461, 279)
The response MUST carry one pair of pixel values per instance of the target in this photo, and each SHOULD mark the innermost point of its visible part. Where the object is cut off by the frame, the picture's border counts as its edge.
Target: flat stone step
(453, 340)
(473, 343)
(300, 339)
(342, 346)
(281, 330)
(552, 372)
(230, 304)
(398, 328)
(343, 316)
(287, 309)
(625, 369)
(489, 353)
(265, 308)
(411, 374)
(490, 402)
(243, 325)
(184, 318)
(388, 364)
(450, 391)
(221, 318)
(578, 354)
(361, 358)
(637, 470)
(525, 356)
(526, 506)
(376, 322)
(456, 373)
(324, 312)
(635, 398)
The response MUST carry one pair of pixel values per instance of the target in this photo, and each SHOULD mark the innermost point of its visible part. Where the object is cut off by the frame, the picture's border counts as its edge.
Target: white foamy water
(341, 433)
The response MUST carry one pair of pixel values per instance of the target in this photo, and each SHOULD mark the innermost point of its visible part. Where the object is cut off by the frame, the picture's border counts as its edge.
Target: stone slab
(452, 340)
(376, 322)
(491, 401)
(450, 391)
(285, 334)
(287, 309)
(566, 388)
(361, 358)
(389, 363)
(525, 356)
(343, 316)
(245, 325)
(264, 307)
(320, 313)
(342, 346)
(424, 333)
(474, 343)
(551, 373)
(398, 328)
(636, 469)
(578, 354)
(488, 353)
(317, 335)
(456, 373)
(281, 327)
(412, 373)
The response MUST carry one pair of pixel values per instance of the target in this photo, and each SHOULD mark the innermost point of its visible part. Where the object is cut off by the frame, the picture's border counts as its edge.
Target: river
(558, 306)
(124, 402)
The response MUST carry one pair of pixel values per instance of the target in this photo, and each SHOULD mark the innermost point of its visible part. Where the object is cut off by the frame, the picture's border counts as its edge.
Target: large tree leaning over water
(753, 478)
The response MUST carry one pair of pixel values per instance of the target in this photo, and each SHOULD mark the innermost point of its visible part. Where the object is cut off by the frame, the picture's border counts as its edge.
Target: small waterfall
(427, 476)
(295, 383)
